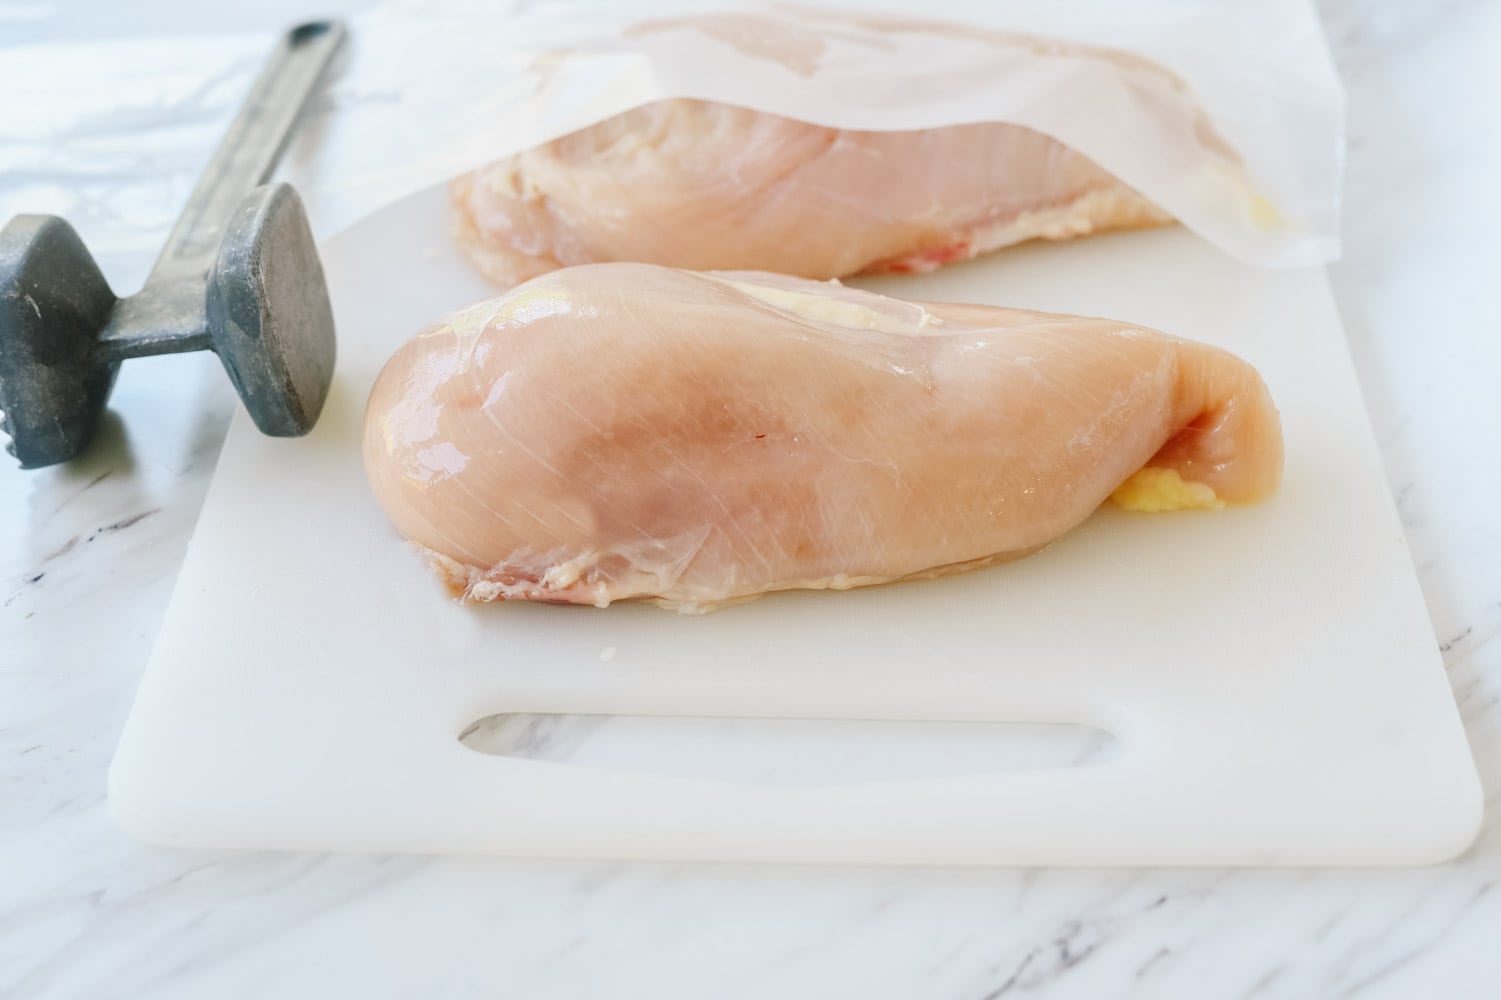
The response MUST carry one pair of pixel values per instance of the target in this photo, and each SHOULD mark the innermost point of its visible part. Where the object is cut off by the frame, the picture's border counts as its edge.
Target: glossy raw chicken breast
(623, 431)
(702, 185)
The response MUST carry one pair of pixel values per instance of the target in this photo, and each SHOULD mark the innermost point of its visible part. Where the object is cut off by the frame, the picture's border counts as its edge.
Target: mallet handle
(250, 149)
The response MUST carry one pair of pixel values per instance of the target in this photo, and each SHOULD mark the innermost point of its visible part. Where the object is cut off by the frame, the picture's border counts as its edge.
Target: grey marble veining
(88, 555)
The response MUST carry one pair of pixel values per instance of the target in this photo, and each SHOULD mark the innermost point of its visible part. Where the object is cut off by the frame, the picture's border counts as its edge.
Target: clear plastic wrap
(1226, 116)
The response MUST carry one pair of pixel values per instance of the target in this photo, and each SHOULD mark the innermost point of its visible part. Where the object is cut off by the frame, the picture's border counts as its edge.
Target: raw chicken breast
(696, 184)
(623, 431)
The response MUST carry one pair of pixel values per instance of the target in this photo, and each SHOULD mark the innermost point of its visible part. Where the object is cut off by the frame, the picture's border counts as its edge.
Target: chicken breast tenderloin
(696, 184)
(626, 431)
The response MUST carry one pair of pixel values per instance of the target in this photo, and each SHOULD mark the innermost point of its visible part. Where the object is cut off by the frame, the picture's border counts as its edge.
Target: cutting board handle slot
(784, 752)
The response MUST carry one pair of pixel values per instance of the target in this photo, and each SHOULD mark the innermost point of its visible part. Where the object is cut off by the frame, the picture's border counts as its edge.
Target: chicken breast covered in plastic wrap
(695, 184)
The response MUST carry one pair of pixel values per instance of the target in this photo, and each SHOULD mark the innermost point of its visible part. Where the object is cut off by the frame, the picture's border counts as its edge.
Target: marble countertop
(88, 555)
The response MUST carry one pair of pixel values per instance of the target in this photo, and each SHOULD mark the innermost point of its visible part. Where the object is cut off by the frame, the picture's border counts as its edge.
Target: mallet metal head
(263, 308)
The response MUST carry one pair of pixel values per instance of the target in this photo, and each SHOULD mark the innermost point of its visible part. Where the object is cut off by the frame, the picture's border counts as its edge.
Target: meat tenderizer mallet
(239, 276)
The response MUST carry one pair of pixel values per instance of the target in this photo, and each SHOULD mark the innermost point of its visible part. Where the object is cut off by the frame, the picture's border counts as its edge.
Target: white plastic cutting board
(1269, 672)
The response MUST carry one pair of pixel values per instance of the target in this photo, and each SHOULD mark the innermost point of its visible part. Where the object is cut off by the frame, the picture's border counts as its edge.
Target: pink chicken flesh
(695, 184)
(626, 431)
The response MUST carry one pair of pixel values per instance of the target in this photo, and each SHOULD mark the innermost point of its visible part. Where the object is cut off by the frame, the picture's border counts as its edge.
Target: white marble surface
(88, 555)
